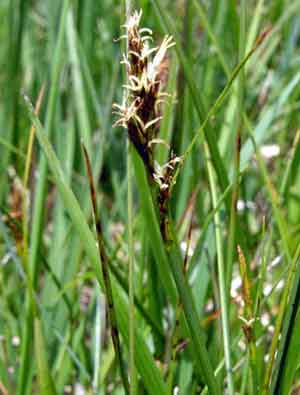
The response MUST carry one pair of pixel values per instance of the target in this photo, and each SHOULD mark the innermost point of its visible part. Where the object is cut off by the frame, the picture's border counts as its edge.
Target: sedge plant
(189, 283)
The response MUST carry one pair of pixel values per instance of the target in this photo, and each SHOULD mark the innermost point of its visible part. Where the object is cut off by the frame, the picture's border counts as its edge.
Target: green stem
(239, 111)
(221, 275)
(213, 110)
(131, 272)
(106, 277)
(192, 323)
(132, 373)
(170, 256)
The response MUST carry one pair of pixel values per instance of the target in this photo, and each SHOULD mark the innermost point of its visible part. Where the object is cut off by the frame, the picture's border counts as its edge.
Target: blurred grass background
(53, 326)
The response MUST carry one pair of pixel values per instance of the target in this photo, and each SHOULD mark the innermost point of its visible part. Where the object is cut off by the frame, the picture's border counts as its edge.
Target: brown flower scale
(140, 112)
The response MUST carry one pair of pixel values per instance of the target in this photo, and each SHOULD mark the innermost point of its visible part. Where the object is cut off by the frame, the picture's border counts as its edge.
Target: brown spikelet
(140, 111)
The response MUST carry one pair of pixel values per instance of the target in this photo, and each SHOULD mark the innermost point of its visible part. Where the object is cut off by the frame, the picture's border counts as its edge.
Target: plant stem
(233, 224)
(215, 107)
(105, 272)
(174, 262)
(132, 373)
(131, 271)
(221, 274)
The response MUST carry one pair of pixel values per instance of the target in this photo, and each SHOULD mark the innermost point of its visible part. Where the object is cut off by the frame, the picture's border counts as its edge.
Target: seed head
(140, 112)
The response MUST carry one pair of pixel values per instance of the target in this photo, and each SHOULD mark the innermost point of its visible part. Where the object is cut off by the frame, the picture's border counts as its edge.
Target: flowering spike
(141, 111)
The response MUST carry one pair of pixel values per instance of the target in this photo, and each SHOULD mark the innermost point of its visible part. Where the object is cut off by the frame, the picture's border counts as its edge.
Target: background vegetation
(235, 209)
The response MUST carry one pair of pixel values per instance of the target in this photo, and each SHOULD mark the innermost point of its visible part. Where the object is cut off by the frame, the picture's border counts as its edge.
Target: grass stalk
(132, 372)
(174, 262)
(197, 99)
(217, 104)
(27, 174)
(233, 223)
(221, 274)
(144, 361)
(106, 277)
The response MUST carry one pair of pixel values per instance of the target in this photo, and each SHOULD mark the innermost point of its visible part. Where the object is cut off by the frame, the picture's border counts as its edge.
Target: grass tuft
(191, 285)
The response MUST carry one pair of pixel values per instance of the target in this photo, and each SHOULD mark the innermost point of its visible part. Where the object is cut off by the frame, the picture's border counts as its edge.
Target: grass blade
(46, 385)
(221, 276)
(149, 372)
(105, 273)
(184, 292)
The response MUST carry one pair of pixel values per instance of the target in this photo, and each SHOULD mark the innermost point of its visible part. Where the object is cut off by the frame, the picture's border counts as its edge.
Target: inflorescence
(140, 112)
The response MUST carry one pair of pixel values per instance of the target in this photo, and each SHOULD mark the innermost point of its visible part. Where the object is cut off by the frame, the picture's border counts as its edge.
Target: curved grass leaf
(149, 372)
(173, 260)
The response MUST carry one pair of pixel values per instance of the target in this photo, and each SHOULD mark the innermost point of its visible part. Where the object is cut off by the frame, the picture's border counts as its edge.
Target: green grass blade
(173, 260)
(221, 276)
(154, 231)
(39, 205)
(292, 361)
(197, 98)
(103, 258)
(46, 385)
(150, 374)
(78, 86)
